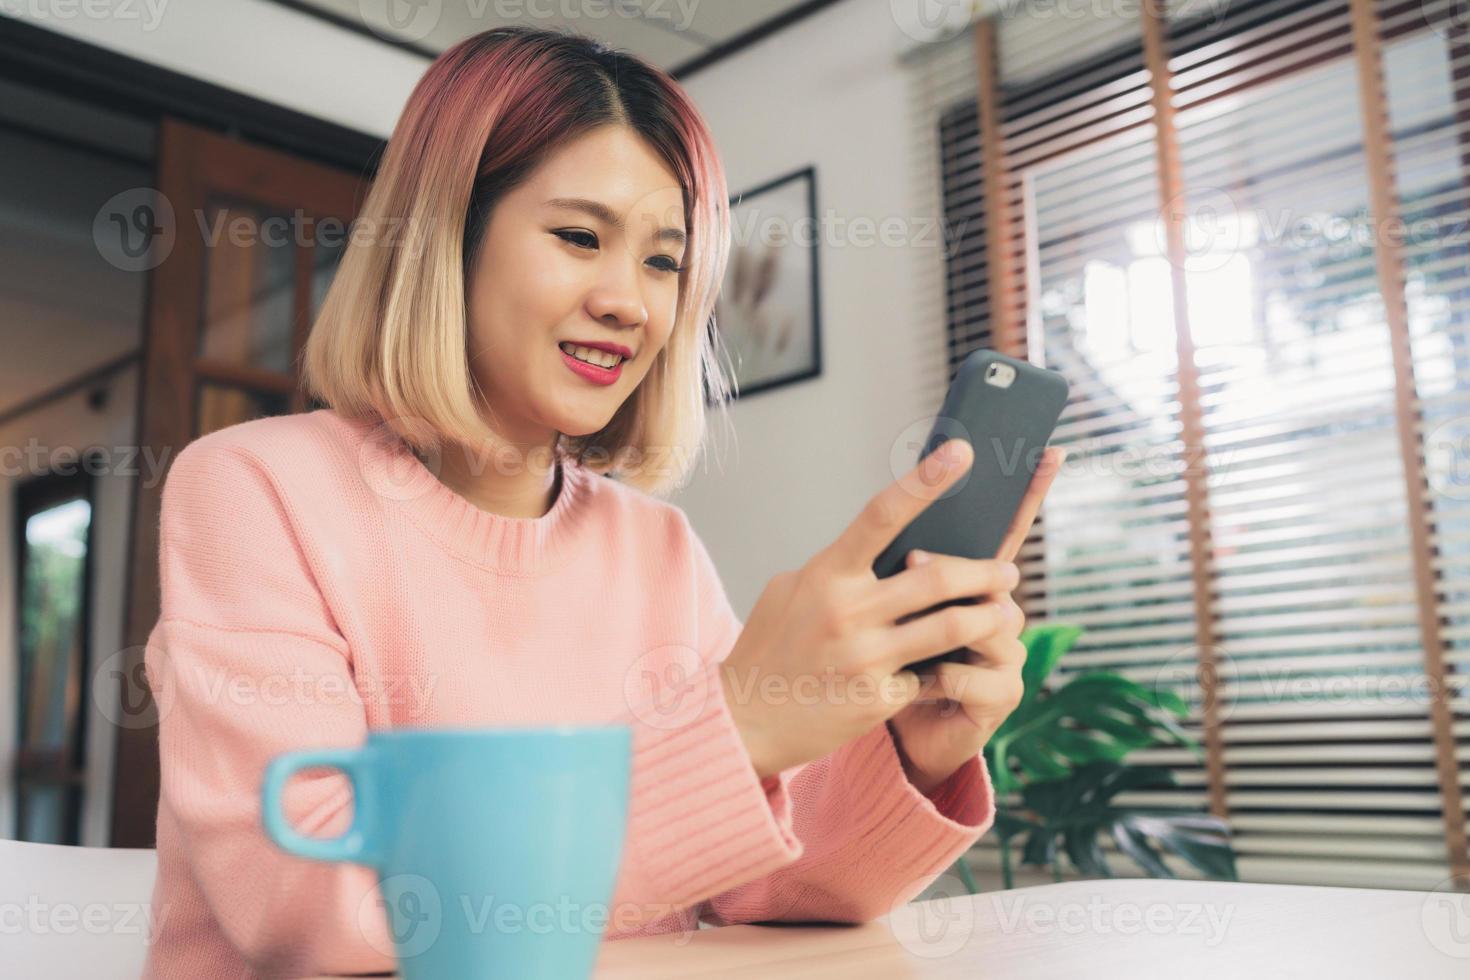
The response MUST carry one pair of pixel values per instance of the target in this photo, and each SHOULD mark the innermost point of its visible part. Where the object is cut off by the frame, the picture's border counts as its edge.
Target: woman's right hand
(821, 658)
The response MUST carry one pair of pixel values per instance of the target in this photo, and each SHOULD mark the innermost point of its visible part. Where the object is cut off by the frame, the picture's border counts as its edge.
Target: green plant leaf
(1041, 847)
(1045, 645)
(1037, 760)
(1159, 716)
(1077, 809)
(1086, 853)
(1064, 752)
(1093, 712)
(1008, 824)
(1136, 846)
(1084, 747)
(1200, 839)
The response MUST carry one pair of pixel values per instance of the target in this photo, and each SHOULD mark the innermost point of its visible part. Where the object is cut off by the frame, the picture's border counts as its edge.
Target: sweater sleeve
(869, 840)
(246, 663)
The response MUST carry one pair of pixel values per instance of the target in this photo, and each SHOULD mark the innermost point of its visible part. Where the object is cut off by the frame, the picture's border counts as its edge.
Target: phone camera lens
(1000, 375)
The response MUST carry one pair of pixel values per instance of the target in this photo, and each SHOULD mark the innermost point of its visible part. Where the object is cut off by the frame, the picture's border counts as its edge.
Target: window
(54, 522)
(1241, 492)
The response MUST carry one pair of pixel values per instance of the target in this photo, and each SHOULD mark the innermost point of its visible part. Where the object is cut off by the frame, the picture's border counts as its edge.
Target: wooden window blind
(1242, 234)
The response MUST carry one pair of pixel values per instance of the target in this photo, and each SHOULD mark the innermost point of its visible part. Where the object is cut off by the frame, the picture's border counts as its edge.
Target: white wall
(827, 92)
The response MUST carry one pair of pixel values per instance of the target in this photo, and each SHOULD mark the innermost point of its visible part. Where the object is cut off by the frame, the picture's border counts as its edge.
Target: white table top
(1123, 928)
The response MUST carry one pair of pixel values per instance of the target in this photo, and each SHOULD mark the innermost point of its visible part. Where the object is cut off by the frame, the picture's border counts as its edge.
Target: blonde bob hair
(391, 340)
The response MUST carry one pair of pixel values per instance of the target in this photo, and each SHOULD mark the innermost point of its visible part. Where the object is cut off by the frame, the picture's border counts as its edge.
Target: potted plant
(1064, 751)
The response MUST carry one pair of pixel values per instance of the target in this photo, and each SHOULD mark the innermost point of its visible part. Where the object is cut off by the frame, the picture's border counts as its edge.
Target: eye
(575, 237)
(568, 235)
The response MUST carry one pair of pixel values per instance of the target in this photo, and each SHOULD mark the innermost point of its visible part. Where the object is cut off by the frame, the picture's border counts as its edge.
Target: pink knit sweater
(319, 582)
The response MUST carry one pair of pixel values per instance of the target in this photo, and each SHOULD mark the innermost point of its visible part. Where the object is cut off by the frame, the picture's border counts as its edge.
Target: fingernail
(919, 557)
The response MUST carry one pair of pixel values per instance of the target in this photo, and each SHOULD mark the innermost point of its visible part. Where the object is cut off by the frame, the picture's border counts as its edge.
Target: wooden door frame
(194, 166)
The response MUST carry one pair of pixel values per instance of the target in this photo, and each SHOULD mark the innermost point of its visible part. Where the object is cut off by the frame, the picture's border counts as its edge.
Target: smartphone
(1006, 409)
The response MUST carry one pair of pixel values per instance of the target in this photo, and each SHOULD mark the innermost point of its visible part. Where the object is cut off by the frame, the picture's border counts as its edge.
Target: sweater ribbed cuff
(908, 834)
(706, 821)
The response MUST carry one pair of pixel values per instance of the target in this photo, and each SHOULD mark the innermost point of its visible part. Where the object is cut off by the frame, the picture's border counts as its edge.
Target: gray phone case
(1008, 427)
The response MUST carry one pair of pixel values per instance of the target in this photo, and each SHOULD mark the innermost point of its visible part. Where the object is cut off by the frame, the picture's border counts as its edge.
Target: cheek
(668, 318)
(655, 341)
(515, 311)
(524, 284)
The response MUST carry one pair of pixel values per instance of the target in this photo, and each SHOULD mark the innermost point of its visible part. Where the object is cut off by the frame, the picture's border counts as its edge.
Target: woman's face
(550, 274)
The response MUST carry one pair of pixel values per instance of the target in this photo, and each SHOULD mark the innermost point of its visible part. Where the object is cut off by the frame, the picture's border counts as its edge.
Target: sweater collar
(519, 545)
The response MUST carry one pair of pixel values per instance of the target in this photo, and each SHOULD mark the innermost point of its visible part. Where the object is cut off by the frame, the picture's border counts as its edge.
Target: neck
(508, 480)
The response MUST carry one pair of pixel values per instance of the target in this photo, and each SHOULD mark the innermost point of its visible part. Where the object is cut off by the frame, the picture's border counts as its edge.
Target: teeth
(599, 357)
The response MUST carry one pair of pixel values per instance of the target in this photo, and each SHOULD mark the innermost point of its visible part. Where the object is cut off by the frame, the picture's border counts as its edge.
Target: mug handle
(355, 844)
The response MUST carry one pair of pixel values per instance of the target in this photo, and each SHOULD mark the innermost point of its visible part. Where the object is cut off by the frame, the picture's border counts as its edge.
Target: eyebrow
(605, 214)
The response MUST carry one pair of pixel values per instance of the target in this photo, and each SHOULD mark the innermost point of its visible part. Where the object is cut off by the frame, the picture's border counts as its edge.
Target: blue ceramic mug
(497, 850)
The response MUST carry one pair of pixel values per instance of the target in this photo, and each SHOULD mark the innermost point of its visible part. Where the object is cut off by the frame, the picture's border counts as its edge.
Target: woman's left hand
(963, 704)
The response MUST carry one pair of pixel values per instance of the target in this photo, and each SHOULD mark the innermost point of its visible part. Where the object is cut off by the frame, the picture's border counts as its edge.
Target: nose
(617, 301)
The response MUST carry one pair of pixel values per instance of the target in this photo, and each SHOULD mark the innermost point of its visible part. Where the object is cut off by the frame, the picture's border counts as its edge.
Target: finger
(1041, 481)
(973, 686)
(901, 689)
(893, 508)
(940, 578)
(939, 632)
(1002, 651)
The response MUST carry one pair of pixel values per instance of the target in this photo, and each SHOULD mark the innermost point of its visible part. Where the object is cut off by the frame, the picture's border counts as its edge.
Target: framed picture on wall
(768, 311)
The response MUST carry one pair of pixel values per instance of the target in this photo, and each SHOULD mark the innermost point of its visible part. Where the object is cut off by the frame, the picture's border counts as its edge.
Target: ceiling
(676, 35)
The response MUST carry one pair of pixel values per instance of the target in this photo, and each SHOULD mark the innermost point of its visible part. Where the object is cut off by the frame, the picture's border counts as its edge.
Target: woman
(436, 548)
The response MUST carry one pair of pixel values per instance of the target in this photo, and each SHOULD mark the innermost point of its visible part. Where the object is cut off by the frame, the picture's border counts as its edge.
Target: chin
(576, 429)
(584, 420)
